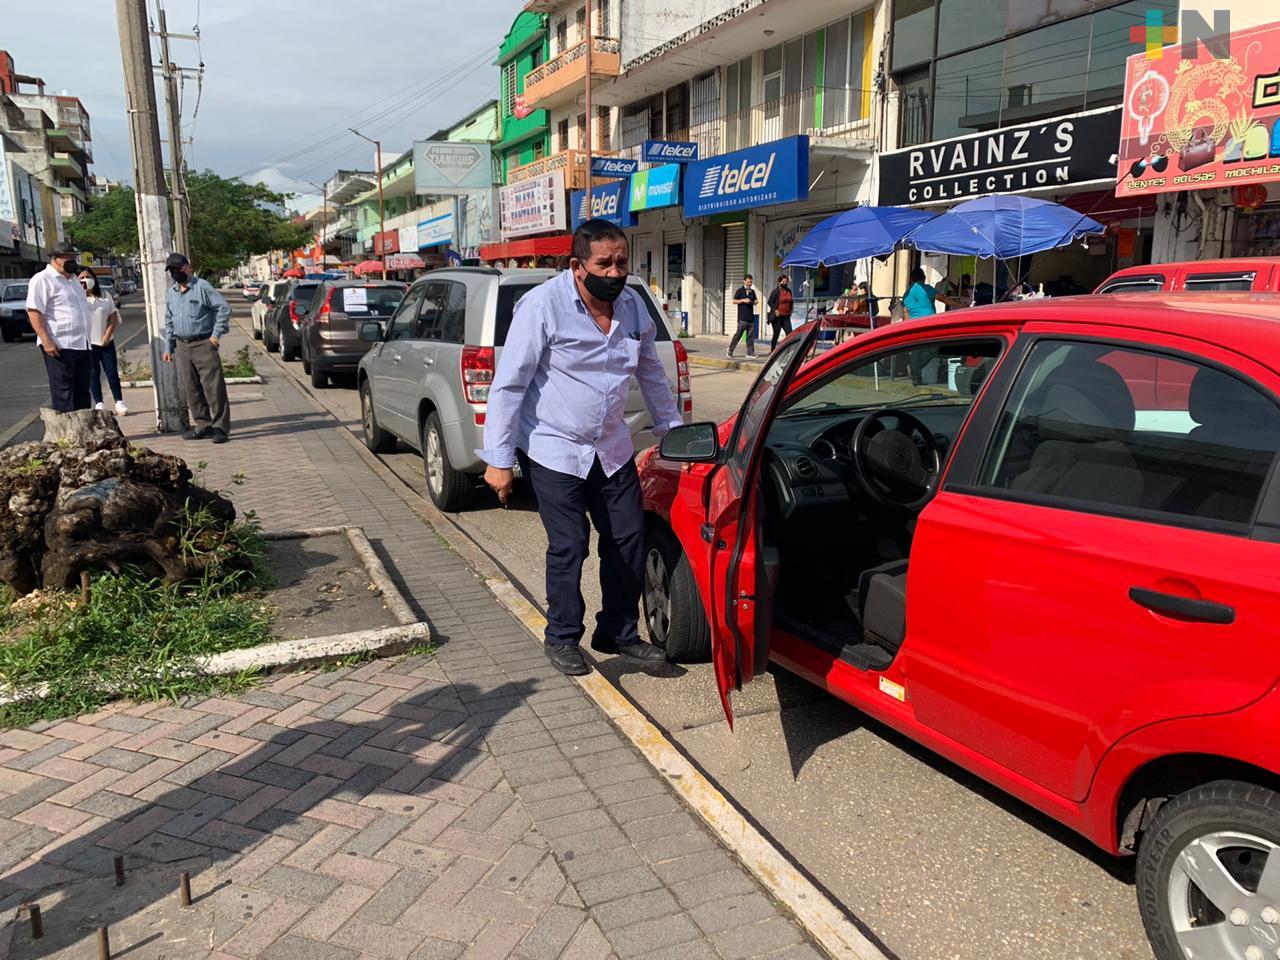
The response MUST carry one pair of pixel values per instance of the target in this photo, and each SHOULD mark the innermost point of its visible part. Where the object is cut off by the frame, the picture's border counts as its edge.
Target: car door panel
(1040, 632)
(393, 389)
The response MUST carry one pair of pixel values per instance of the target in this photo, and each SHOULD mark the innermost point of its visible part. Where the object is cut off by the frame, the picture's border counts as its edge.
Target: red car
(1042, 539)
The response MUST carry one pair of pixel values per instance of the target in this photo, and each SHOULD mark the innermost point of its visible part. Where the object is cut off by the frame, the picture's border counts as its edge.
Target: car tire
(257, 330)
(1224, 831)
(672, 604)
(306, 358)
(287, 352)
(449, 489)
(375, 438)
(10, 336)
(270, 342)
(318, 376)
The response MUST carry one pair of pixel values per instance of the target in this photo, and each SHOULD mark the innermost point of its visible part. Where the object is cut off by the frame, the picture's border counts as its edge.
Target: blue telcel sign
(608, 202)
(761, 176)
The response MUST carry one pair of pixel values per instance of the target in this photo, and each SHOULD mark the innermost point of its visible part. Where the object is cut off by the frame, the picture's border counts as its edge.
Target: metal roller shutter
(735, 265)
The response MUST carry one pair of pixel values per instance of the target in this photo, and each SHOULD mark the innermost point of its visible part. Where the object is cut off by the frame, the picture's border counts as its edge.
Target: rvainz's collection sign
(613, 167)
(1030, 156)
(670, 151)
(761, 176)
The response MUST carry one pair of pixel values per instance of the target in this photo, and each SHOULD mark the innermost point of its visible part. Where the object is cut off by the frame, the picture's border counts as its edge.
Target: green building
(528, 138)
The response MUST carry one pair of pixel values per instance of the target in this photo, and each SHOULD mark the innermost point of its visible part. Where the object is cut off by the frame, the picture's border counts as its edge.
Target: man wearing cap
(59, 313)
(196, 317)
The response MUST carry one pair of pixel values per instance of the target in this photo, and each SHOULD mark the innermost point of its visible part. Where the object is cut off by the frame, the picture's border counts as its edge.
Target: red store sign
(1202, 123)
(386, 242)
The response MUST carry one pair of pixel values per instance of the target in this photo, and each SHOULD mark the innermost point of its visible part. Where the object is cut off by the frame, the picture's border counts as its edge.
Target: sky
(283, 80)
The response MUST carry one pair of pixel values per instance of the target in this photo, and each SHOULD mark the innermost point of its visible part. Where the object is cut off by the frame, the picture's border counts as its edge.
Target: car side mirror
(691, 443)
(371, 331)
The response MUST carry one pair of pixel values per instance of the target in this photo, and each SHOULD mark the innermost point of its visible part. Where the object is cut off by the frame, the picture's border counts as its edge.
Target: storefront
(1201, 138)
(1067, 159)
(531, 210)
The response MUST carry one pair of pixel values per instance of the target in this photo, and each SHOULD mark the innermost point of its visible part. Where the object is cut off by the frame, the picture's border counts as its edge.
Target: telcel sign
(608, 202)
(760, 176)
(613, 167)
(670, 151)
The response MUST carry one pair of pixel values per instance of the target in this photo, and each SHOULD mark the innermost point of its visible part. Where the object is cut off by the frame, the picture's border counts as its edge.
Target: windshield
(949, 372)
(17, 291)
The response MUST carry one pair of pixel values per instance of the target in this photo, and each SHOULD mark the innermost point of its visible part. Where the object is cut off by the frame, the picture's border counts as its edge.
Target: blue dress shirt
(199, 312)
(560, 390)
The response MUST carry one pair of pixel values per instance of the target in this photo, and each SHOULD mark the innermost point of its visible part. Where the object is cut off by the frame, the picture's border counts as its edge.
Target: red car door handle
(1182, 608)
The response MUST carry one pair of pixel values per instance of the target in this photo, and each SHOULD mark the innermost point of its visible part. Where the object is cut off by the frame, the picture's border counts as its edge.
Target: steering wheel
(892, 468)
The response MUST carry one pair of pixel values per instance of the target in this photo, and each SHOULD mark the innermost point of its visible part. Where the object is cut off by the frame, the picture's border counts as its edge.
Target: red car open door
(743, 573)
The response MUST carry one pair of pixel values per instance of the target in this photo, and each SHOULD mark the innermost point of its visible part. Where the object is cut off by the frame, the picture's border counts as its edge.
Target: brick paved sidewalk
(475, 804)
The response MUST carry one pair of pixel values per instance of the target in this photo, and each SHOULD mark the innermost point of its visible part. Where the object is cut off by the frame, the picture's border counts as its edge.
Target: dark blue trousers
(68, 379)
(616, 508)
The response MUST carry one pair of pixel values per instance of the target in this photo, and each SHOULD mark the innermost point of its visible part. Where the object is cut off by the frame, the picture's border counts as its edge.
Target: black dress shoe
(219, 436)
(204, 433)
(567, 658)
(639, 651)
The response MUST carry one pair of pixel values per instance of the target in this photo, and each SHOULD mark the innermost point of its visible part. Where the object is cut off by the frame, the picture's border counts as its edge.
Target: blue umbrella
(854, 235)
(1003, 227)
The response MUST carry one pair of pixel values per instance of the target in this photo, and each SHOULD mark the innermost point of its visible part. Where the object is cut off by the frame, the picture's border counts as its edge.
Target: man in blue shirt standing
(196, 317)
(557, 404)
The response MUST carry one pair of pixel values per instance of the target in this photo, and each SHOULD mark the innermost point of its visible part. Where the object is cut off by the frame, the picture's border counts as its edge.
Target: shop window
(635, 123)
(913, 27)
(1045, 70)
(562, 134)
(655, 116)
(562, 36)
(677, 109)
(913, 111)
(967, 93)
(580, 25)
(602, 128)
(508, 89)
(582, 131)
(963, 24)
(602, 19)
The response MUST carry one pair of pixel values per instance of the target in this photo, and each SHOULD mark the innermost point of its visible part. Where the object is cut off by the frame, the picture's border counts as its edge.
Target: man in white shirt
(59, 312)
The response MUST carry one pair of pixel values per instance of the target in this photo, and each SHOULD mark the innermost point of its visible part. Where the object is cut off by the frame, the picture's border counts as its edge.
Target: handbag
(1198, 151)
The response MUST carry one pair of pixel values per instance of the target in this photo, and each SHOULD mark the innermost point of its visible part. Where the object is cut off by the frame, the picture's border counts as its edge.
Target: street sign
(613, 167)
(670, 151)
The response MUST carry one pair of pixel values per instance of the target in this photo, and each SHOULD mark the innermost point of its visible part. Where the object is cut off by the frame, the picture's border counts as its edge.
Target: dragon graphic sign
(1202, 122)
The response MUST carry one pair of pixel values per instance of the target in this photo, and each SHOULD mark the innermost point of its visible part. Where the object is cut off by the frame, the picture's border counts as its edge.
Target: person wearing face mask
(196, 317)
(104, 318)
(59, 313)
(556, 405)
(781, 304)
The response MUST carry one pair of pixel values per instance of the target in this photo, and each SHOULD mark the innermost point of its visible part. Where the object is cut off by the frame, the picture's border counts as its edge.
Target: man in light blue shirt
(557, 404)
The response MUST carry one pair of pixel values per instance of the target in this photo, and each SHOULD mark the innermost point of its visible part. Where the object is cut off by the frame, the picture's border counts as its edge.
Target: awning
(558, 246)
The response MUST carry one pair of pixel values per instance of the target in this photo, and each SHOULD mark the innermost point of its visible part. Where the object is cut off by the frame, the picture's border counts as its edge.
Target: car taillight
(323, 315)
(478, 367)
(293, 313)
(684, 385)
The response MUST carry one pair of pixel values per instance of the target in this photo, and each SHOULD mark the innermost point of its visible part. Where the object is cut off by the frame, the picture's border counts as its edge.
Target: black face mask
(179, 274)
(71, 267)
(606, 289)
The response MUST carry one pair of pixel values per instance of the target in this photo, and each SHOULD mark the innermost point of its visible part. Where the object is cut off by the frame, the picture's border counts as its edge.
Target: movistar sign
(670, 151)
(762, 176)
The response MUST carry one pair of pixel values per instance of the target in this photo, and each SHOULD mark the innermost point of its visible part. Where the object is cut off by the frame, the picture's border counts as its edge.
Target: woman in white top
(104, 318)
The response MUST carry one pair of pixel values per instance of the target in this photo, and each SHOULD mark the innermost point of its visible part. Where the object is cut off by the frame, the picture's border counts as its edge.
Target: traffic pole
(152, 201)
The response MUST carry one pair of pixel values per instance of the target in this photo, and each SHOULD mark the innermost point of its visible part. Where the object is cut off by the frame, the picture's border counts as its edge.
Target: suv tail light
(478, 366)
(323, 315)
(684, 386)
(293, 313)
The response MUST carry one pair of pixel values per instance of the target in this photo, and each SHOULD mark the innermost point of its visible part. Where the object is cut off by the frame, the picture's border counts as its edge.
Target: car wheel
(1207, 883)
(10, 336)
(287, 352)
(270, 342)
(306, 360)
(375, 438)
(318, 377)
(449, 489)
(257, 330)
(672, 605)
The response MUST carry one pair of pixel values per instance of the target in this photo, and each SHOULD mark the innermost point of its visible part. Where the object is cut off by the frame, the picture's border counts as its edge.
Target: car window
(1102, 427)
(453, 320)
(1204, 282)
(431, 314)
(367, 301)
(16, 292)
(1135, 285)
(510, 293)
(404, 320)
(303, 292)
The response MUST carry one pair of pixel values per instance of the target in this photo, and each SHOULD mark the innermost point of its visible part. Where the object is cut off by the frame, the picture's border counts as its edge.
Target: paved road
(935, 862)
(23, 384)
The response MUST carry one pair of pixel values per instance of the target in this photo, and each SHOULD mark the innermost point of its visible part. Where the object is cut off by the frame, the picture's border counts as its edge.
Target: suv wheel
(375, 438)
(287, 352)
(257, 329)
(1207, 883)
(306, 361)
(318, 376)
(10, 335)
(271, 343)
(672, 606)
(450, 489)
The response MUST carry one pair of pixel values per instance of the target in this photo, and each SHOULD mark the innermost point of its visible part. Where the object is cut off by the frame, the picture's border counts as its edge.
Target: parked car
(238, 285)
(127, 287)
(1201, 276)
(107, 284)
(283, 323)
(14, 322)
(330, 331)
(426, 379)
(250, 289)
(268, 293)
(1039, 538)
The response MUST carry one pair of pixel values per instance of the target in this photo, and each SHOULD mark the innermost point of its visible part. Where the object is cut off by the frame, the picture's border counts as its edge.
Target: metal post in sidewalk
(587, 99)
(151, 198)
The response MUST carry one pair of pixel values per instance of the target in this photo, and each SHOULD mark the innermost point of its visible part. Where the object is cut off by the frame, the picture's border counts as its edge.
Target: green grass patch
(241, 365)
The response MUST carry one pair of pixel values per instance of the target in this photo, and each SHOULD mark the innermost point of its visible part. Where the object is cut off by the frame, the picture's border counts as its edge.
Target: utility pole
(591, 42)
(181, 207)
(152, 203)
(324, 218)
(382, 220)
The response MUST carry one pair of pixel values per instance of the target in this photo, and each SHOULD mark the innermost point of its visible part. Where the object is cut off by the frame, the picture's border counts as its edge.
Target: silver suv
(426, 379)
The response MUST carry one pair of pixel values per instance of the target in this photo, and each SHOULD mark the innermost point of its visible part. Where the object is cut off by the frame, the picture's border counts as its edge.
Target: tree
(230, 221)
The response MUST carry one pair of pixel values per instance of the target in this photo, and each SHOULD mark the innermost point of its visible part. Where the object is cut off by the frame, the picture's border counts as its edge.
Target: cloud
(305, 196)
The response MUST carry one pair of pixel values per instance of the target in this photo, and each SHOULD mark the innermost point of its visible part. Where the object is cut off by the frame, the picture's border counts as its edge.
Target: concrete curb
(231, 382)
(7, 437)
(829, 926)
(724, 363)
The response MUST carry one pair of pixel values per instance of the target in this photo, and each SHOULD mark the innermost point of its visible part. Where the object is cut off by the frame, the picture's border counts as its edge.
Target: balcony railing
(572, 162)
(569, 67)
(833, 113)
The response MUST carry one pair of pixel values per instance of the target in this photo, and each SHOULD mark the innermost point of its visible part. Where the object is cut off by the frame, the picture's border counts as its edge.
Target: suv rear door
(350, 306)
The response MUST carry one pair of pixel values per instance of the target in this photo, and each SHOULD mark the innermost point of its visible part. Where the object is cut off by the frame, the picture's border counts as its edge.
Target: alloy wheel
(657, 597)
(433, 455)
(1224, 897)
(366, 415)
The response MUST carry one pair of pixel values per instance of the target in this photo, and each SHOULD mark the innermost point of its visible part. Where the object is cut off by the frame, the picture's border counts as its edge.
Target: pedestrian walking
(781, 304)
(59, 313)
(746, 298)
(104, 320)
(196, 317)
(557, 405)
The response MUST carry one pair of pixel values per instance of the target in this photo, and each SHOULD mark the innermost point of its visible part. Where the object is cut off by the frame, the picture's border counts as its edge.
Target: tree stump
(87, 500)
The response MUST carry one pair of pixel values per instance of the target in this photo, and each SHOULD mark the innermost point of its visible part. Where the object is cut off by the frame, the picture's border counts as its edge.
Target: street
(932, 860)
